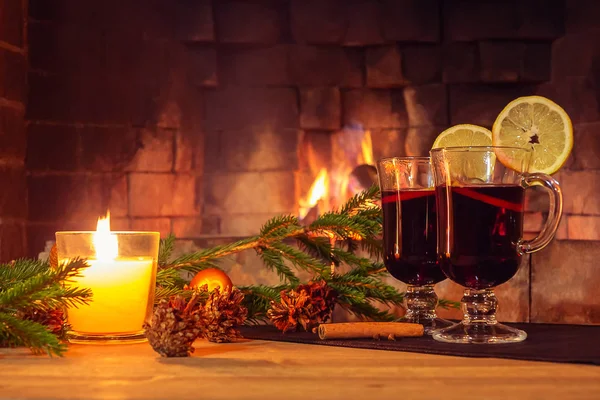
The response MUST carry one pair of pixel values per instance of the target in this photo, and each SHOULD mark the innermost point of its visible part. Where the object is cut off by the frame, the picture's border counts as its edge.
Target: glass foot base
(429, 325)
(82, 338)
(480, 333)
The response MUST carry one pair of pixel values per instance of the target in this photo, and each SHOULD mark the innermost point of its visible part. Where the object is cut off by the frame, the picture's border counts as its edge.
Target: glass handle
(554, 212)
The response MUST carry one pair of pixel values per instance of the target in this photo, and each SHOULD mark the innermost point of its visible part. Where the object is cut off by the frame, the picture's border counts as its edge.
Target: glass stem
(479, 306)
(420, 303)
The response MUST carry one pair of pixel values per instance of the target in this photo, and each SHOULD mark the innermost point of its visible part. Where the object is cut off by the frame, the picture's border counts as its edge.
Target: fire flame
(317, 191)
(105, 243)
(351, 147)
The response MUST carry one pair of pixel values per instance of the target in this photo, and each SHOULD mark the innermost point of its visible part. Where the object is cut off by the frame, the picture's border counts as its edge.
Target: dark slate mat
(545, 342)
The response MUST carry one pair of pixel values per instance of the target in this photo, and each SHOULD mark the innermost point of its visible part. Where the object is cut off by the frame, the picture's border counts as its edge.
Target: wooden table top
(276, 370)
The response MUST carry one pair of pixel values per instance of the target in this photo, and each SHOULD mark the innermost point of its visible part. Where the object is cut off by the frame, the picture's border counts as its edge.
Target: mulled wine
(484, 227)
(410, 236)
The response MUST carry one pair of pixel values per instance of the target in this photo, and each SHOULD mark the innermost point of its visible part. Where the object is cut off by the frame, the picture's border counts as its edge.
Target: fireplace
(206, 118)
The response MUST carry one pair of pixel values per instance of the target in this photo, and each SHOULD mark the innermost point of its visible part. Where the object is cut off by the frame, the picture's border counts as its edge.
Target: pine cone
(53, 258)
(55, 320)
(223, 312)
(174, 326)
(294, 310)
(306, 307)
(322, 298)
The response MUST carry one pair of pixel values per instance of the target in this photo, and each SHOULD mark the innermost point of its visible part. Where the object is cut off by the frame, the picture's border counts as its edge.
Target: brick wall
(13, 85)
(195, 116)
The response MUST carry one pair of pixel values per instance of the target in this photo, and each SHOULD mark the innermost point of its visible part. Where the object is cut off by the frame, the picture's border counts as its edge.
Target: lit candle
(121, 275)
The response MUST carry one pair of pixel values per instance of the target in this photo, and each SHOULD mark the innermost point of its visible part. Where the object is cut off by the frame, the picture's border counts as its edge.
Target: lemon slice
(471, 165)
(463, 135)
(534, 122)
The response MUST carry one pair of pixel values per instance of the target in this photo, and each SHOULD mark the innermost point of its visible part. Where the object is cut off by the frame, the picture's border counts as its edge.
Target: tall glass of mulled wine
(410, 235)
(480, 231)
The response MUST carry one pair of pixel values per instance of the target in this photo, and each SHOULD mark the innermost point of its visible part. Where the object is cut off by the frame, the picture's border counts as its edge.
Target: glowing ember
(105, 243)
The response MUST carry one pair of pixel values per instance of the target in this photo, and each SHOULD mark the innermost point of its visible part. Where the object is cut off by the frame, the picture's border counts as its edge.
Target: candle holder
(122, 277)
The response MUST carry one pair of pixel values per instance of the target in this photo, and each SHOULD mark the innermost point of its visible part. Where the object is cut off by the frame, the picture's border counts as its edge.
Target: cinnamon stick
(356, 330)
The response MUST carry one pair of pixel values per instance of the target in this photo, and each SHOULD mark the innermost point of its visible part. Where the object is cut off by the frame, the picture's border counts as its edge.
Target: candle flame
(105, 243)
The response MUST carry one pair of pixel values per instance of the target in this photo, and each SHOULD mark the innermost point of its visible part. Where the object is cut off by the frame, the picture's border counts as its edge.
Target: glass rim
(407, 158)
(480, 148)
(140, 233)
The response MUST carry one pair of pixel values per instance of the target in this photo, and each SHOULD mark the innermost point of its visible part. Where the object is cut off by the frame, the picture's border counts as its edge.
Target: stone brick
(13, 195)
(384, 67)
(12, 241)
(533, 222)
(374, 108)
(584, 227)
(411, 20)
(422, 64)
(318, 21)
(184, 228)
(244, 22)
(202, 67)
(461, 62)
(120, 224)
(426, 105)
(466, 20)
(162, 225)
(162, 195)
(238, 108)
(252, 149)
(13, 70)
(388, 143)
(576, 95)
(325, 66)
(249, 192)
(537, 62)
(580, 192)
(62, 198)
(109, 192)
(195, 21)
(52, 147)
(363, 24)
(575, 55)
(320, 108)
(108, 149)
(12, 134)
(255, 67)
(12, 18)
(501, 61)
(581, 16)
(565, 283)
(155, 153)
(420, 139)
(187, 150)
(244, 224)
(586, 146)
(480, 104)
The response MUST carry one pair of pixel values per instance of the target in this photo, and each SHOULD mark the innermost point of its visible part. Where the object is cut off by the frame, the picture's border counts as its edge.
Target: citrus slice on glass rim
(538, 123)
(463, 135)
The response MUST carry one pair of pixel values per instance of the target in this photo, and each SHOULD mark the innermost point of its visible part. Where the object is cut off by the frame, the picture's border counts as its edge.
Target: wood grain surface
(275, 370)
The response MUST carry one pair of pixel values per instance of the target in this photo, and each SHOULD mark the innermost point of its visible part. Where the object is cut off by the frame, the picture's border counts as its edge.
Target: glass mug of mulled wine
(480, 231)
(410, 235)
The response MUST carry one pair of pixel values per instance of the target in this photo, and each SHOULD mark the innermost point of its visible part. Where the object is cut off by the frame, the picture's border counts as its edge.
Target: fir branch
(20, 270)
(361, 201)
(279, 226)
(16, 332)
(273, 260)
(257, 299)
(299, 259)
(165, 250)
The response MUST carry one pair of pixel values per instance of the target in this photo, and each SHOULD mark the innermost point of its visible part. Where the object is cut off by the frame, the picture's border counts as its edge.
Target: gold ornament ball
(213, 278)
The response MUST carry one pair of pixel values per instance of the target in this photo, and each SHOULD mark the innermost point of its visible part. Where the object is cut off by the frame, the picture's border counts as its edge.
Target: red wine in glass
(486, 226)
(410, 236)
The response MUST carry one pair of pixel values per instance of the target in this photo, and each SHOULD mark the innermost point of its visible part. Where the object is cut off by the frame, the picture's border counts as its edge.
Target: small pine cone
(175, 326)
(223, 313)
(53, 258)
(292, 312)
(55, 320)
(322, 297)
